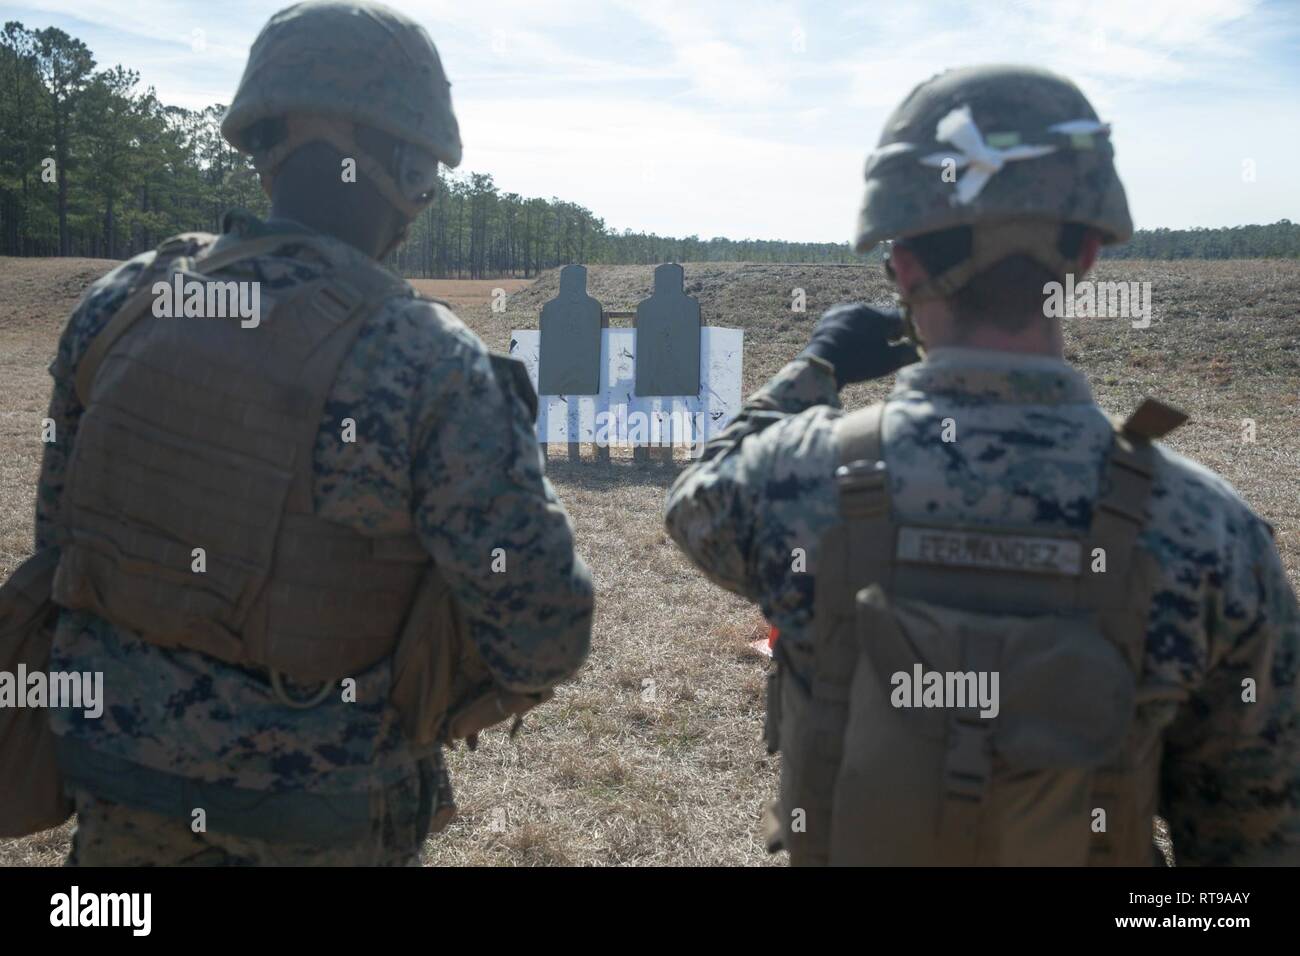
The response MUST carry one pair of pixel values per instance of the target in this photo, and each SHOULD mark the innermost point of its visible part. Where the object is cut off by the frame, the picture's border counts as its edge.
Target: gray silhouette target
(668, 337)
(569, 363)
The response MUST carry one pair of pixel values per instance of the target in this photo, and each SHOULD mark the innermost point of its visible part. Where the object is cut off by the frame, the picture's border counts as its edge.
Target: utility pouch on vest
(441, 687)
(972, 695)
(424, 660)
(487, 705)
(972, 737)
(32, 797)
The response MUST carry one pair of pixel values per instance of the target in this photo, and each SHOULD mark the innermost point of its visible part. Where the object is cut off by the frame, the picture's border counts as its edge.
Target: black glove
(855, 340)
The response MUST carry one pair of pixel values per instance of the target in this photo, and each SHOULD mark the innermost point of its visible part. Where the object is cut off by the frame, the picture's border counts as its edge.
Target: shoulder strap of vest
(862, 478)
(338, 308)
(1122, 595)
(857, 549)
(137, 303)
(1121, 513)
(140, 296)
(858, 434)
(863, 483)
(866, 533)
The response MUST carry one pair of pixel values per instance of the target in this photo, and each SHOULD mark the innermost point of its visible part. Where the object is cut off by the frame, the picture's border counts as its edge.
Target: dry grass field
(468, 294)
(610, 773)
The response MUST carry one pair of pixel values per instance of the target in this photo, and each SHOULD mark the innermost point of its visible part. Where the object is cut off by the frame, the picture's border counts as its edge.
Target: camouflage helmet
(992, 144)
(349, 60)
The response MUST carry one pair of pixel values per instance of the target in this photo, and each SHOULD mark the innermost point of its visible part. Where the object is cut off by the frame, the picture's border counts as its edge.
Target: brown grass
(468, 293)
(603, 775)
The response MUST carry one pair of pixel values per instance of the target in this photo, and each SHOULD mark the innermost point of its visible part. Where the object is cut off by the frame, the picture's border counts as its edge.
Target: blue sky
(753, 118)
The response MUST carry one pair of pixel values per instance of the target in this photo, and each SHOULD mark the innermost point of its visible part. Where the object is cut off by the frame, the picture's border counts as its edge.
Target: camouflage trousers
(110, 834)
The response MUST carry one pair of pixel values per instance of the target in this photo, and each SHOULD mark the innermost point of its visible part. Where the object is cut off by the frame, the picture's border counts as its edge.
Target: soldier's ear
(1089, 248)
(905, 268)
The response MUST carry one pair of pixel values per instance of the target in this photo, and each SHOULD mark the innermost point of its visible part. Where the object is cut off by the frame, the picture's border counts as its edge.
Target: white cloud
(661, 167)
(709, 118)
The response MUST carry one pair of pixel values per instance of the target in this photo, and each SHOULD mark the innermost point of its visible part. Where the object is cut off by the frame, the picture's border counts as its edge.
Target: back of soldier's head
(359, 77)
(993, 177)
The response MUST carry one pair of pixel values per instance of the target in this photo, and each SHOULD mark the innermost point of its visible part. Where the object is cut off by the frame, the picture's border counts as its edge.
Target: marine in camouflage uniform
(1029, 445)
(445, 448)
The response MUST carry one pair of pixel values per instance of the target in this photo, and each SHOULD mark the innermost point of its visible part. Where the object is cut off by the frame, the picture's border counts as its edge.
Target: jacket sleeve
(714, 507)
(493, 523)
(1231, 773)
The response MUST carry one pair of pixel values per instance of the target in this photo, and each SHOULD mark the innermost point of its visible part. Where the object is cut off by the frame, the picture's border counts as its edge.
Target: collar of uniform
(246, 225)
(996, 376)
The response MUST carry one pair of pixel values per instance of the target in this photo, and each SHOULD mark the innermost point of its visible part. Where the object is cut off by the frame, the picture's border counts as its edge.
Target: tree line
(95, 166)
(1277, 240)
(474, 230)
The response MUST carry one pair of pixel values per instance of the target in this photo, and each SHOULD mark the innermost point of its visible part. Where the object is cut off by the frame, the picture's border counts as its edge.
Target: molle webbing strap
(340, 306)
(865, 505)
(864, 535)
(1122, 597)
(1117, 518)
(1119, 515)
(141, 295)
(968, 768)
(863, 483)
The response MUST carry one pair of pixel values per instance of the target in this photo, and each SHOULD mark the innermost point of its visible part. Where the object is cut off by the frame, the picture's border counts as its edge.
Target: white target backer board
(617, 416)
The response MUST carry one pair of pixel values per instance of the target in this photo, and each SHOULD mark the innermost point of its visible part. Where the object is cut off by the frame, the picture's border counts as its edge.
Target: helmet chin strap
(397, 239)
(300, 130)
(913, 333)
(990, 243)
(903, 301)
